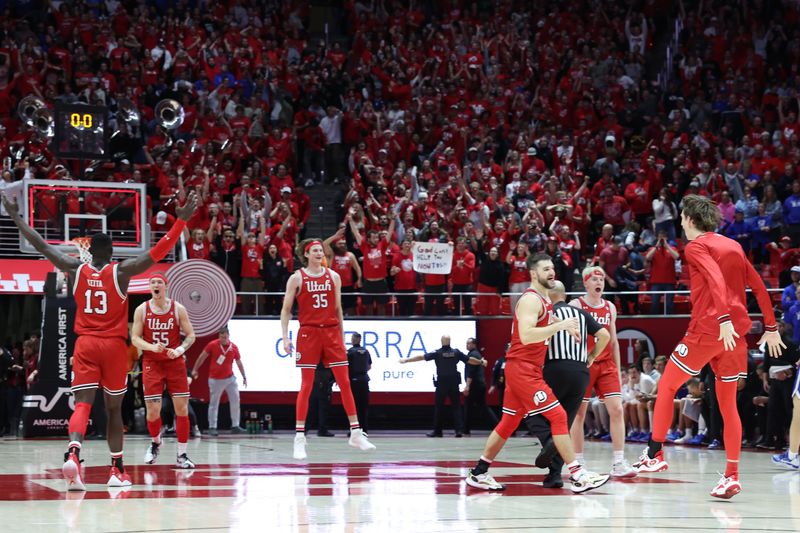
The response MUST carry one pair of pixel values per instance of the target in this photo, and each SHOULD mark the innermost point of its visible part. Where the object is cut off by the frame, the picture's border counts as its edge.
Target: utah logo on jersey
(539, 397)
(316, 286)
(603, 320)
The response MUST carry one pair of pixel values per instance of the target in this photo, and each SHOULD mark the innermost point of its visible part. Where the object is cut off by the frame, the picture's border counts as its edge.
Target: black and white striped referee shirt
(562, 345)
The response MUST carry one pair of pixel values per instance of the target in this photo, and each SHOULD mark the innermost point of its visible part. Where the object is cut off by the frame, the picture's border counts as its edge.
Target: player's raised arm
(61, 260)
(136, 265)
(528, 310)
(286, 311)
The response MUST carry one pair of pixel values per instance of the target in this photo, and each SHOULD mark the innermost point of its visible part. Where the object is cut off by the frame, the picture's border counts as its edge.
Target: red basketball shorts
(604, 380)
(158, 373)
(315, 344)
(100, 362)
(526, 393)
(698, 349)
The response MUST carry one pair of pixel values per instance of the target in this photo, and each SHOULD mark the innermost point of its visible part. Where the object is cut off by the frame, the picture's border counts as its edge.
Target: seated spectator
(643, 387)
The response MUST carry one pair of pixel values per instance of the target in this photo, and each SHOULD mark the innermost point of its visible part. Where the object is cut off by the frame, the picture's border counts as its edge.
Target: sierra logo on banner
(433, 257)
(49, 403)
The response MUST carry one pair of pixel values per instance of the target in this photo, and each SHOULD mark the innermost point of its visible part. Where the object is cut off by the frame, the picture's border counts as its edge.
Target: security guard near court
(499, 377)
(475, 391)
(447, 381)
(360, 363)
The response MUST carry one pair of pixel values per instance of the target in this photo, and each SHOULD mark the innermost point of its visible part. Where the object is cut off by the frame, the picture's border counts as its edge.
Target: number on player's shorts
(320, 300)
(102, 302)
(682, 350)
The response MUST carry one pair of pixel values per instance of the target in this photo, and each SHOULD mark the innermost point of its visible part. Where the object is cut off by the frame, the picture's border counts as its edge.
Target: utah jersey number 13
(96, 302)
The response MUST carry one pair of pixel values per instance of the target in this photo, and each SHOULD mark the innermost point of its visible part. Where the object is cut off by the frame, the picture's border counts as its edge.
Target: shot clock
(81, 131)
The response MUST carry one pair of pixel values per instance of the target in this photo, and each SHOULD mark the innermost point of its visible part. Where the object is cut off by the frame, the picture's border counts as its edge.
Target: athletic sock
(354, 426)
(792, 455)
(575, 469)
(482, 467)
(116, 460)
(300, 428)
(74, 447)
(154, 429)
(579, 458)
(732, 469)
(182, 446)
(619, 456)
(182, 429)
(653, 448)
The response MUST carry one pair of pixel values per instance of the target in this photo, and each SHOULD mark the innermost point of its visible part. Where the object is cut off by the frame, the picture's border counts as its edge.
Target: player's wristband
(770, 329)
(180, 350)
(168, 241)
(724, 318)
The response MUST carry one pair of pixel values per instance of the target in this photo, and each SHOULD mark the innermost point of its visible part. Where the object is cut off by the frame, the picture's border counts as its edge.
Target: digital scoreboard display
(81, 131)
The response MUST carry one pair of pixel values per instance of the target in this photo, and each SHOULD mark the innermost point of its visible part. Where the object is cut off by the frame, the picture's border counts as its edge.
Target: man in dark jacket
(227, 254)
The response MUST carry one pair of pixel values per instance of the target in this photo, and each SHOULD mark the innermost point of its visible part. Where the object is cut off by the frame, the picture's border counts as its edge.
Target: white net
(82, 245)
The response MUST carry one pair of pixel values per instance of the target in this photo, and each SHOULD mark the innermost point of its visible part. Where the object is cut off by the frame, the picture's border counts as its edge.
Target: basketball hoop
(82, 245)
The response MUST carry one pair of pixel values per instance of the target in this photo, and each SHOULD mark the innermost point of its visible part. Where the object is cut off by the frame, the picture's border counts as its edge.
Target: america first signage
(48, 404)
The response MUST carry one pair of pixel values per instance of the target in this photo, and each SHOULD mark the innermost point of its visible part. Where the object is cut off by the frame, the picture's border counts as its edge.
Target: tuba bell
(28, 107)
(169, 114)
(44, 123)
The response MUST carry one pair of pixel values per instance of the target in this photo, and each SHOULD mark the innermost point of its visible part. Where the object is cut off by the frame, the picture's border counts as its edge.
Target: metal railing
(10, 245)
(456, 300)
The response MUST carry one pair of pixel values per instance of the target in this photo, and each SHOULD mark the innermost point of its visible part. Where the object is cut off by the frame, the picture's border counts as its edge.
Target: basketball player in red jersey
(718, 273)
(603, 372)
(317, 290)
(526, 392)
(101, 322)
(344, 263)
(157, 326)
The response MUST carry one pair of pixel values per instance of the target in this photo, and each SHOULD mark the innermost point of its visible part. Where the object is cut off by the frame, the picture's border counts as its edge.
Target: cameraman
(663, 277)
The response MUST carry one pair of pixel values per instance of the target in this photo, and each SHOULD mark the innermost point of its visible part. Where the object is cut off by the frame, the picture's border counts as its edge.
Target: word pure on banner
(433, 257)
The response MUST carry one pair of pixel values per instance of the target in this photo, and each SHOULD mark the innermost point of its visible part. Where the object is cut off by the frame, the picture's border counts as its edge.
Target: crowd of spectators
(18, 370)
(505, 129)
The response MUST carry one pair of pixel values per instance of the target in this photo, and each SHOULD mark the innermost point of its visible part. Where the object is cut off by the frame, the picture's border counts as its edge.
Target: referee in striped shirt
(566, 370)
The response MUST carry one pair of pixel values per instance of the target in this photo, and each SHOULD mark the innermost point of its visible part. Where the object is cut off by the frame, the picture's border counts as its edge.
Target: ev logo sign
(37, 401)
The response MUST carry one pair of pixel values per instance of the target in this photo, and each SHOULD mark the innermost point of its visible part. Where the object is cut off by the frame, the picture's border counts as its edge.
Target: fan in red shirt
(252, 254)
(373, 251)
(462, 275)
(663, 277)
(520, 278)
(157, 327)
(611, 207)
(405, 278)
(345, 264)
(101, 322)
(719, 274)
(198, 246)
(320, 339)
(639, 198)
